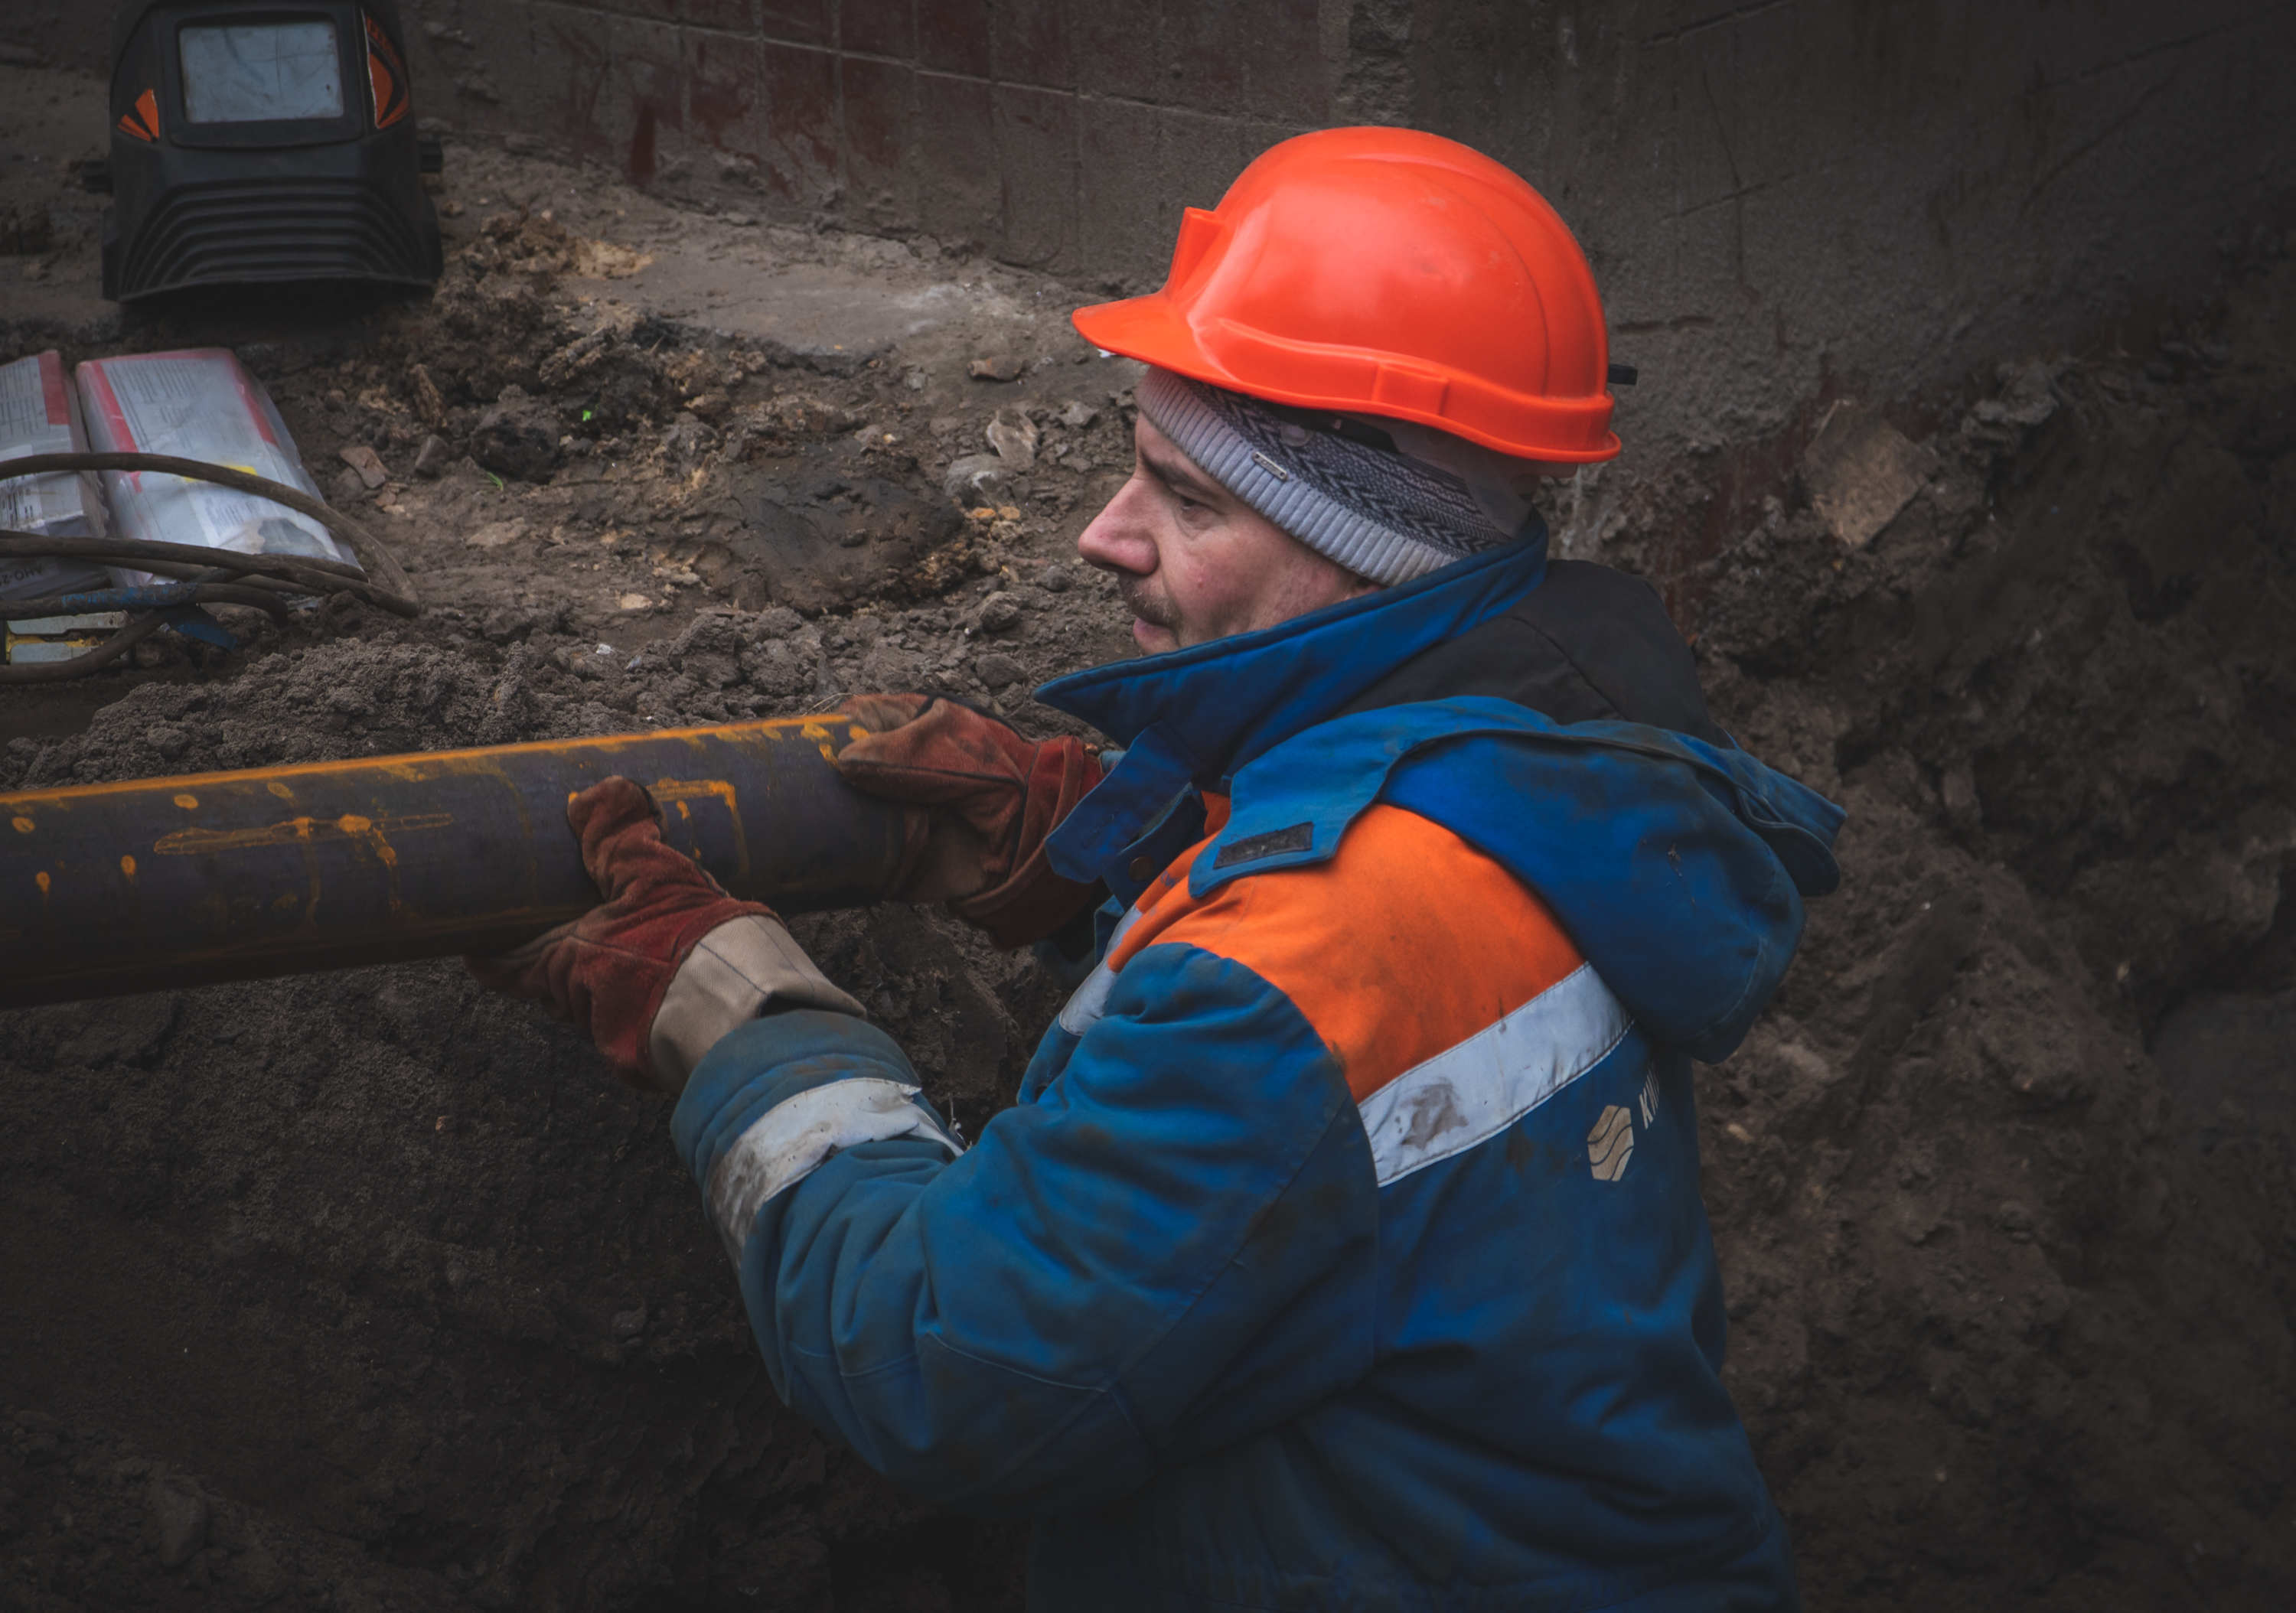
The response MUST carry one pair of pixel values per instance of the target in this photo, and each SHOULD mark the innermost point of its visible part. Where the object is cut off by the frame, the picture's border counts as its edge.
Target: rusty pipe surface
(153, 884)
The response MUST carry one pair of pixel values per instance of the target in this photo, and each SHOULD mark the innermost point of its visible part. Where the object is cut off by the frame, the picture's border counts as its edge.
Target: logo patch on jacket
(1611, 1144)
(1251, 847)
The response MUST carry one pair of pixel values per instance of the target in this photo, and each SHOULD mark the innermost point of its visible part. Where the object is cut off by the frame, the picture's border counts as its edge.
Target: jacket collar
(1235, 698)
(1198, 715)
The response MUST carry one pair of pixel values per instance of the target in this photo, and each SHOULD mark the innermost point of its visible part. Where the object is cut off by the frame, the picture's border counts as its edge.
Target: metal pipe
(154, 884)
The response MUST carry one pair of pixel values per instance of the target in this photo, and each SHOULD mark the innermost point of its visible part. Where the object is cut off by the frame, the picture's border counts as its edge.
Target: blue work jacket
(1345, 1247)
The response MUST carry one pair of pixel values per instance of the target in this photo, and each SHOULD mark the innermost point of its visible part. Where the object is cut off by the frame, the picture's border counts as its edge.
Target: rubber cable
(221, 576)
(379, 563)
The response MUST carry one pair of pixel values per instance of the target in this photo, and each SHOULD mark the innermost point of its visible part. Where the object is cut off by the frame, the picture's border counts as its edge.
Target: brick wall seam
(844, 171)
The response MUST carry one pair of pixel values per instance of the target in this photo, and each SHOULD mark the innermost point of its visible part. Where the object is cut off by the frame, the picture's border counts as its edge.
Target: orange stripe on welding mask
(386, 77)
(142, 119)
(1405, 943)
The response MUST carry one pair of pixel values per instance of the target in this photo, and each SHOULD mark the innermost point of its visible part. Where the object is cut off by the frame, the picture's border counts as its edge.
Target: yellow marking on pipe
(694, 790)
(41, 880)
(194, 842)
(679, 792)
(127, 866)
(187, 801)
(24, 825)
(423, 766)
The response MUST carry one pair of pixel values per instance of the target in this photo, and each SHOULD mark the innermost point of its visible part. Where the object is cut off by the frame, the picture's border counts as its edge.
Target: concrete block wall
(1778, 195)
(1064, 134)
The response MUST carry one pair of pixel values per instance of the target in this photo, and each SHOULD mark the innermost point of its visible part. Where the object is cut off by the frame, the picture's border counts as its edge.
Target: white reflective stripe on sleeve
(1483, 1085)
(791, 1140)
(1089, 1001)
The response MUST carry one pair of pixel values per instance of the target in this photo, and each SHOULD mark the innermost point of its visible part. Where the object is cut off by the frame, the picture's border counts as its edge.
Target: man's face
(1194, 561)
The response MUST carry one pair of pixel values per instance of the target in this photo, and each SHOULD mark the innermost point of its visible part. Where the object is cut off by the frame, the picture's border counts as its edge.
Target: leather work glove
(981, 799)
(669, 962)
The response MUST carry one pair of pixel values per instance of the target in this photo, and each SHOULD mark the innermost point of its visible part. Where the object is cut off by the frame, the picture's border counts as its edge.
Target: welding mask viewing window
(255, 141)
(260, 72)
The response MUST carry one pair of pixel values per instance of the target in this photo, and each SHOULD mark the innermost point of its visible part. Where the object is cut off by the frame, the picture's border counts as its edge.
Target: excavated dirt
(2002, 1181)
(370, 1291)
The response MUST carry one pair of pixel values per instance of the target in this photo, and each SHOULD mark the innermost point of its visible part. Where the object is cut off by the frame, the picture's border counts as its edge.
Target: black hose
(231, 593)
(222, 576)
(23, 543)
(379, 563)
(286, 573)
(224, 590)
(212, 585)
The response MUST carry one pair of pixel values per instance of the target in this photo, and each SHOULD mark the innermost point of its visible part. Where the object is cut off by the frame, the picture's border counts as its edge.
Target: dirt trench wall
(2009, 1287)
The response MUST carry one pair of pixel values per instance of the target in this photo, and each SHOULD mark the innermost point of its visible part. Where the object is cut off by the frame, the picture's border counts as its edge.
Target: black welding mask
(263, 140)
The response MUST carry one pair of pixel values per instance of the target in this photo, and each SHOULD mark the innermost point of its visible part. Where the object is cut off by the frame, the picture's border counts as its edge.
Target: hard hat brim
(1357, 381)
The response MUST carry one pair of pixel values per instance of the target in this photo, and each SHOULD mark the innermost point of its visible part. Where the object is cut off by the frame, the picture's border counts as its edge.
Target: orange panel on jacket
(1407, 942)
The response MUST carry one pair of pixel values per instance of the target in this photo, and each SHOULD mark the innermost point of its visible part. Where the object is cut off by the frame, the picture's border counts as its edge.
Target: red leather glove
(982, 798)
(607, 971)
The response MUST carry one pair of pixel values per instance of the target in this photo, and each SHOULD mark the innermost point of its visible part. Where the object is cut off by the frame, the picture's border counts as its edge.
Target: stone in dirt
(1860, 471)
(369, 465)
(1013, 435)
(179, 1518)
(518, 438)
(998, 613)
(498, 534)
(977, 479)
(430, 405)
(25, 227)
(999, 671)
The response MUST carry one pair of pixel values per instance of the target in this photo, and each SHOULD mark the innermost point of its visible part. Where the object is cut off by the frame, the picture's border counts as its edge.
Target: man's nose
(1120, 537)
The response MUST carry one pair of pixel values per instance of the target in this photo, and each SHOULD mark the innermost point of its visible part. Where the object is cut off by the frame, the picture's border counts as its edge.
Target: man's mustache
(1149, 606)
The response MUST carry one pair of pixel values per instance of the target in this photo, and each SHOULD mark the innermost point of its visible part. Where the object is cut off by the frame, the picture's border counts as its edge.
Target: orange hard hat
(1389, 272)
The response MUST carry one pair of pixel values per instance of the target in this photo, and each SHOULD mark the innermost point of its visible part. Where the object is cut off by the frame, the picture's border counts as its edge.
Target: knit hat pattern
(1388, 516)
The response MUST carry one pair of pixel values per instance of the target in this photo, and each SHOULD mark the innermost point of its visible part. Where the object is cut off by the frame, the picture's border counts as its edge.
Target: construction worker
(1344, 1249)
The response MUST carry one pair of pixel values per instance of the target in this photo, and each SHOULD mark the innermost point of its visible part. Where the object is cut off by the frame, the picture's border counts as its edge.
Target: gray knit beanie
(1386, 514)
